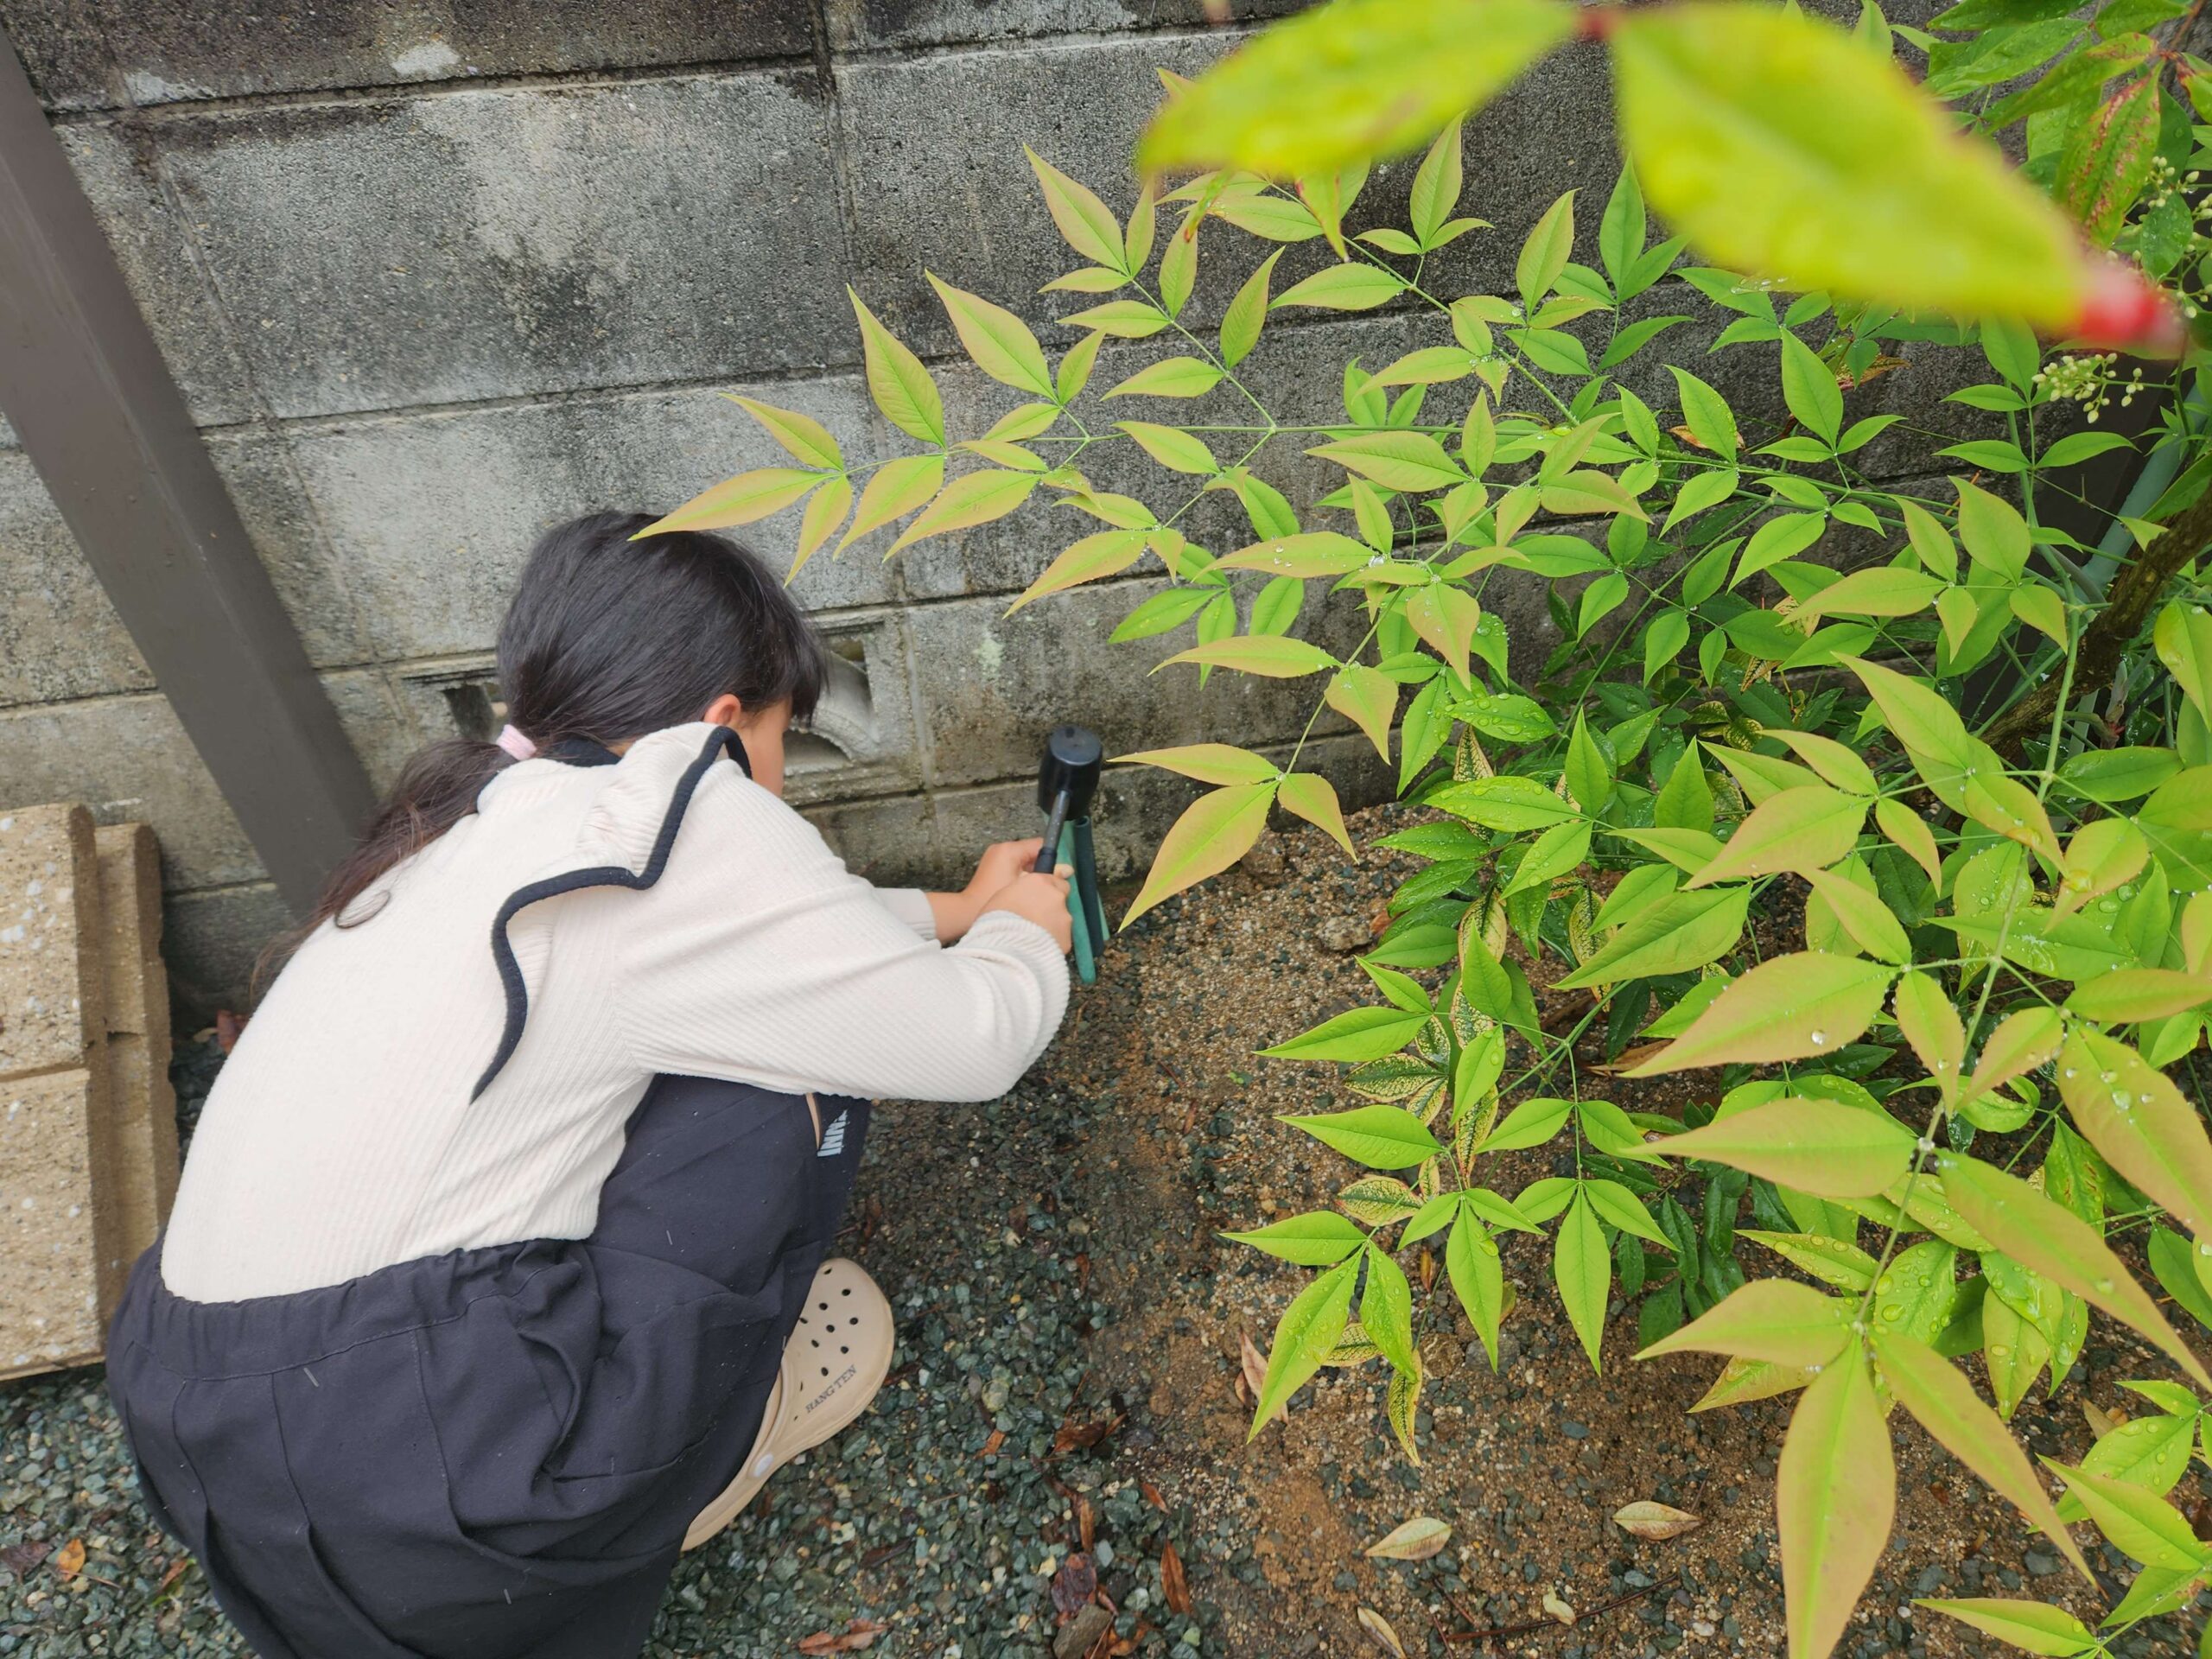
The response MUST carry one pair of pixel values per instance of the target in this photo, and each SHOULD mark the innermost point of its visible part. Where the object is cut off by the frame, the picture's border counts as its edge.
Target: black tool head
(1073, 759)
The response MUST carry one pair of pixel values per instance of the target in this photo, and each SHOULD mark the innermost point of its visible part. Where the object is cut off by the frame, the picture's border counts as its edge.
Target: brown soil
(1527, 1465)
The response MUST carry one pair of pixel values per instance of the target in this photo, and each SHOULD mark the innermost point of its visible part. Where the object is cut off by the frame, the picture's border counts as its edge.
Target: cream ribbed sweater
(341, 1137)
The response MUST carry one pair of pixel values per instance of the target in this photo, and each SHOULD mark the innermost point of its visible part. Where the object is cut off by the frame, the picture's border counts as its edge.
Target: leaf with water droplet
(1786, 1009)
(2028, 1227)
(1939, 1396)
(2156, 1139)
(1820, 1147)
(1835, 1496)
(2151, 1451)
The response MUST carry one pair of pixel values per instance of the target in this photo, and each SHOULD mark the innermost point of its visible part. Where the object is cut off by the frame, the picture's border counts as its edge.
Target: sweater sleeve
(912, 906)
(760, 957)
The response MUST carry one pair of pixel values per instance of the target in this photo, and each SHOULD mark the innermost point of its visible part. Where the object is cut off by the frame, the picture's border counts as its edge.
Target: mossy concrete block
(52, 991)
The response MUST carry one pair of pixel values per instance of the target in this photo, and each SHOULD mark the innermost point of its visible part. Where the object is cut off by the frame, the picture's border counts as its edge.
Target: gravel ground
(1069, 1341)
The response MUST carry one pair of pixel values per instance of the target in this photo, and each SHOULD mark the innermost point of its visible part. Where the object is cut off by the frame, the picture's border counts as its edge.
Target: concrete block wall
(436, 274)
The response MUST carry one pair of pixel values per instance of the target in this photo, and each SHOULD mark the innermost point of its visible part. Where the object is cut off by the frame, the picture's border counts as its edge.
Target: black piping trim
(722, 740)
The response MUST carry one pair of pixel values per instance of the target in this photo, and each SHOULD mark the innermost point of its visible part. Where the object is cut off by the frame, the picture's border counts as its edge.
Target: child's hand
(1040, 898)
(1001, 866)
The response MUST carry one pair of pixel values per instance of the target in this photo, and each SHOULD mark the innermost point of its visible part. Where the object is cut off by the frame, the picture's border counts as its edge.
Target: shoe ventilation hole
(844, 1351)
(825, 1307)
(825, 1370)
(846, 1292)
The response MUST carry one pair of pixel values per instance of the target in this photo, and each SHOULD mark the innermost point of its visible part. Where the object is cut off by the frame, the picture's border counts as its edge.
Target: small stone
(1344, 934)
(1081, 1633)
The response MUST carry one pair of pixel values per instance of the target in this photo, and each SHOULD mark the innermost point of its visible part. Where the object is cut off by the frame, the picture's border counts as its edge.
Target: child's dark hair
(606, 638)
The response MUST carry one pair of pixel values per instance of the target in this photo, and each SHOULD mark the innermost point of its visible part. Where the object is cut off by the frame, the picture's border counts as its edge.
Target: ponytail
(609, 637)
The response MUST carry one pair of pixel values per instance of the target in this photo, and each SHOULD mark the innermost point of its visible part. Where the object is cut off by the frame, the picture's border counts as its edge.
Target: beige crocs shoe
(835, 1362)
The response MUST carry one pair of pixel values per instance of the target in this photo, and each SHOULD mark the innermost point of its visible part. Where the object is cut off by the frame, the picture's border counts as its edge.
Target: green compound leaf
(1352, 81)
(1316, 1239)
(1381, 1137)
(1583, 1269)
(1781, 147)
(1304, 1336)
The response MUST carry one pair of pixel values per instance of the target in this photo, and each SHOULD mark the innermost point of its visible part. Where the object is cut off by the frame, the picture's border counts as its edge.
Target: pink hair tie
(516, 744)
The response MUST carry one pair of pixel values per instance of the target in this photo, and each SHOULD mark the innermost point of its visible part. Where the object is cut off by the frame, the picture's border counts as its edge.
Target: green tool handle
(1086, 959)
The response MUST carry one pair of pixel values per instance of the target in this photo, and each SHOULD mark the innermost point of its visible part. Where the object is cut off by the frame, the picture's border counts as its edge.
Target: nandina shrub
(1770, 716)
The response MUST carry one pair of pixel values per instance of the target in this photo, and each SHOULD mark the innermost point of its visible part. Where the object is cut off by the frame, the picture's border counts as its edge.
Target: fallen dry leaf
(1172, 1583)
(69, 1559)
(1086, 1522)
(1081, 1437)
(1151, 1494)
(1379, 1627)
(1413, 1541)
(991, 1446)
(1557, 1608)
(1252, 1376)
(2101, 1422)
(855, 1638)
(1649, 1520)
(1074, 1584)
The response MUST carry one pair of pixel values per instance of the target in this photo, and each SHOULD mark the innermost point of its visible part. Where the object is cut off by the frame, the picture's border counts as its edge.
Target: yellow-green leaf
(2021, 1042)
(1174, 376)
(2039, 1234)
(1369, 699)
(999, 342)
(2139, 1523)
(895, 489)
(2031, 1626)
(1107, 553)
(1088, 226)
(1802, 829)
(1242, 320)
(1344, 288)
(1784, 1010)
(1446, 617)
(1820, 1147)
(2127, 995)
(1930, 1024)
(1834, 1499)
(1911, 833)
(819, 523)
(806, 438)
(1274, 656)
(1171, 448)
(2146, 1128)
(1775, 143)
(1885, 590)
(1778, 1321)
(1397, 461)
(1313, 799)
(1352, 81)
(1864, 918)
(1835, 763)
(1314, 553)
(1214, 832)
(1210, 763)
(745, 499)
(896, 379)
(2184, 641)
(972, 498)
(1938, 1395)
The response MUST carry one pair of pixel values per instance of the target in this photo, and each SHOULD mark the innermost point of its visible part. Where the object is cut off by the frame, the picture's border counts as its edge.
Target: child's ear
(725, 710)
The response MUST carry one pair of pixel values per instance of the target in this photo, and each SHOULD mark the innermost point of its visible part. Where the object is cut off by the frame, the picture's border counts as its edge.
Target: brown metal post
(102, 420)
